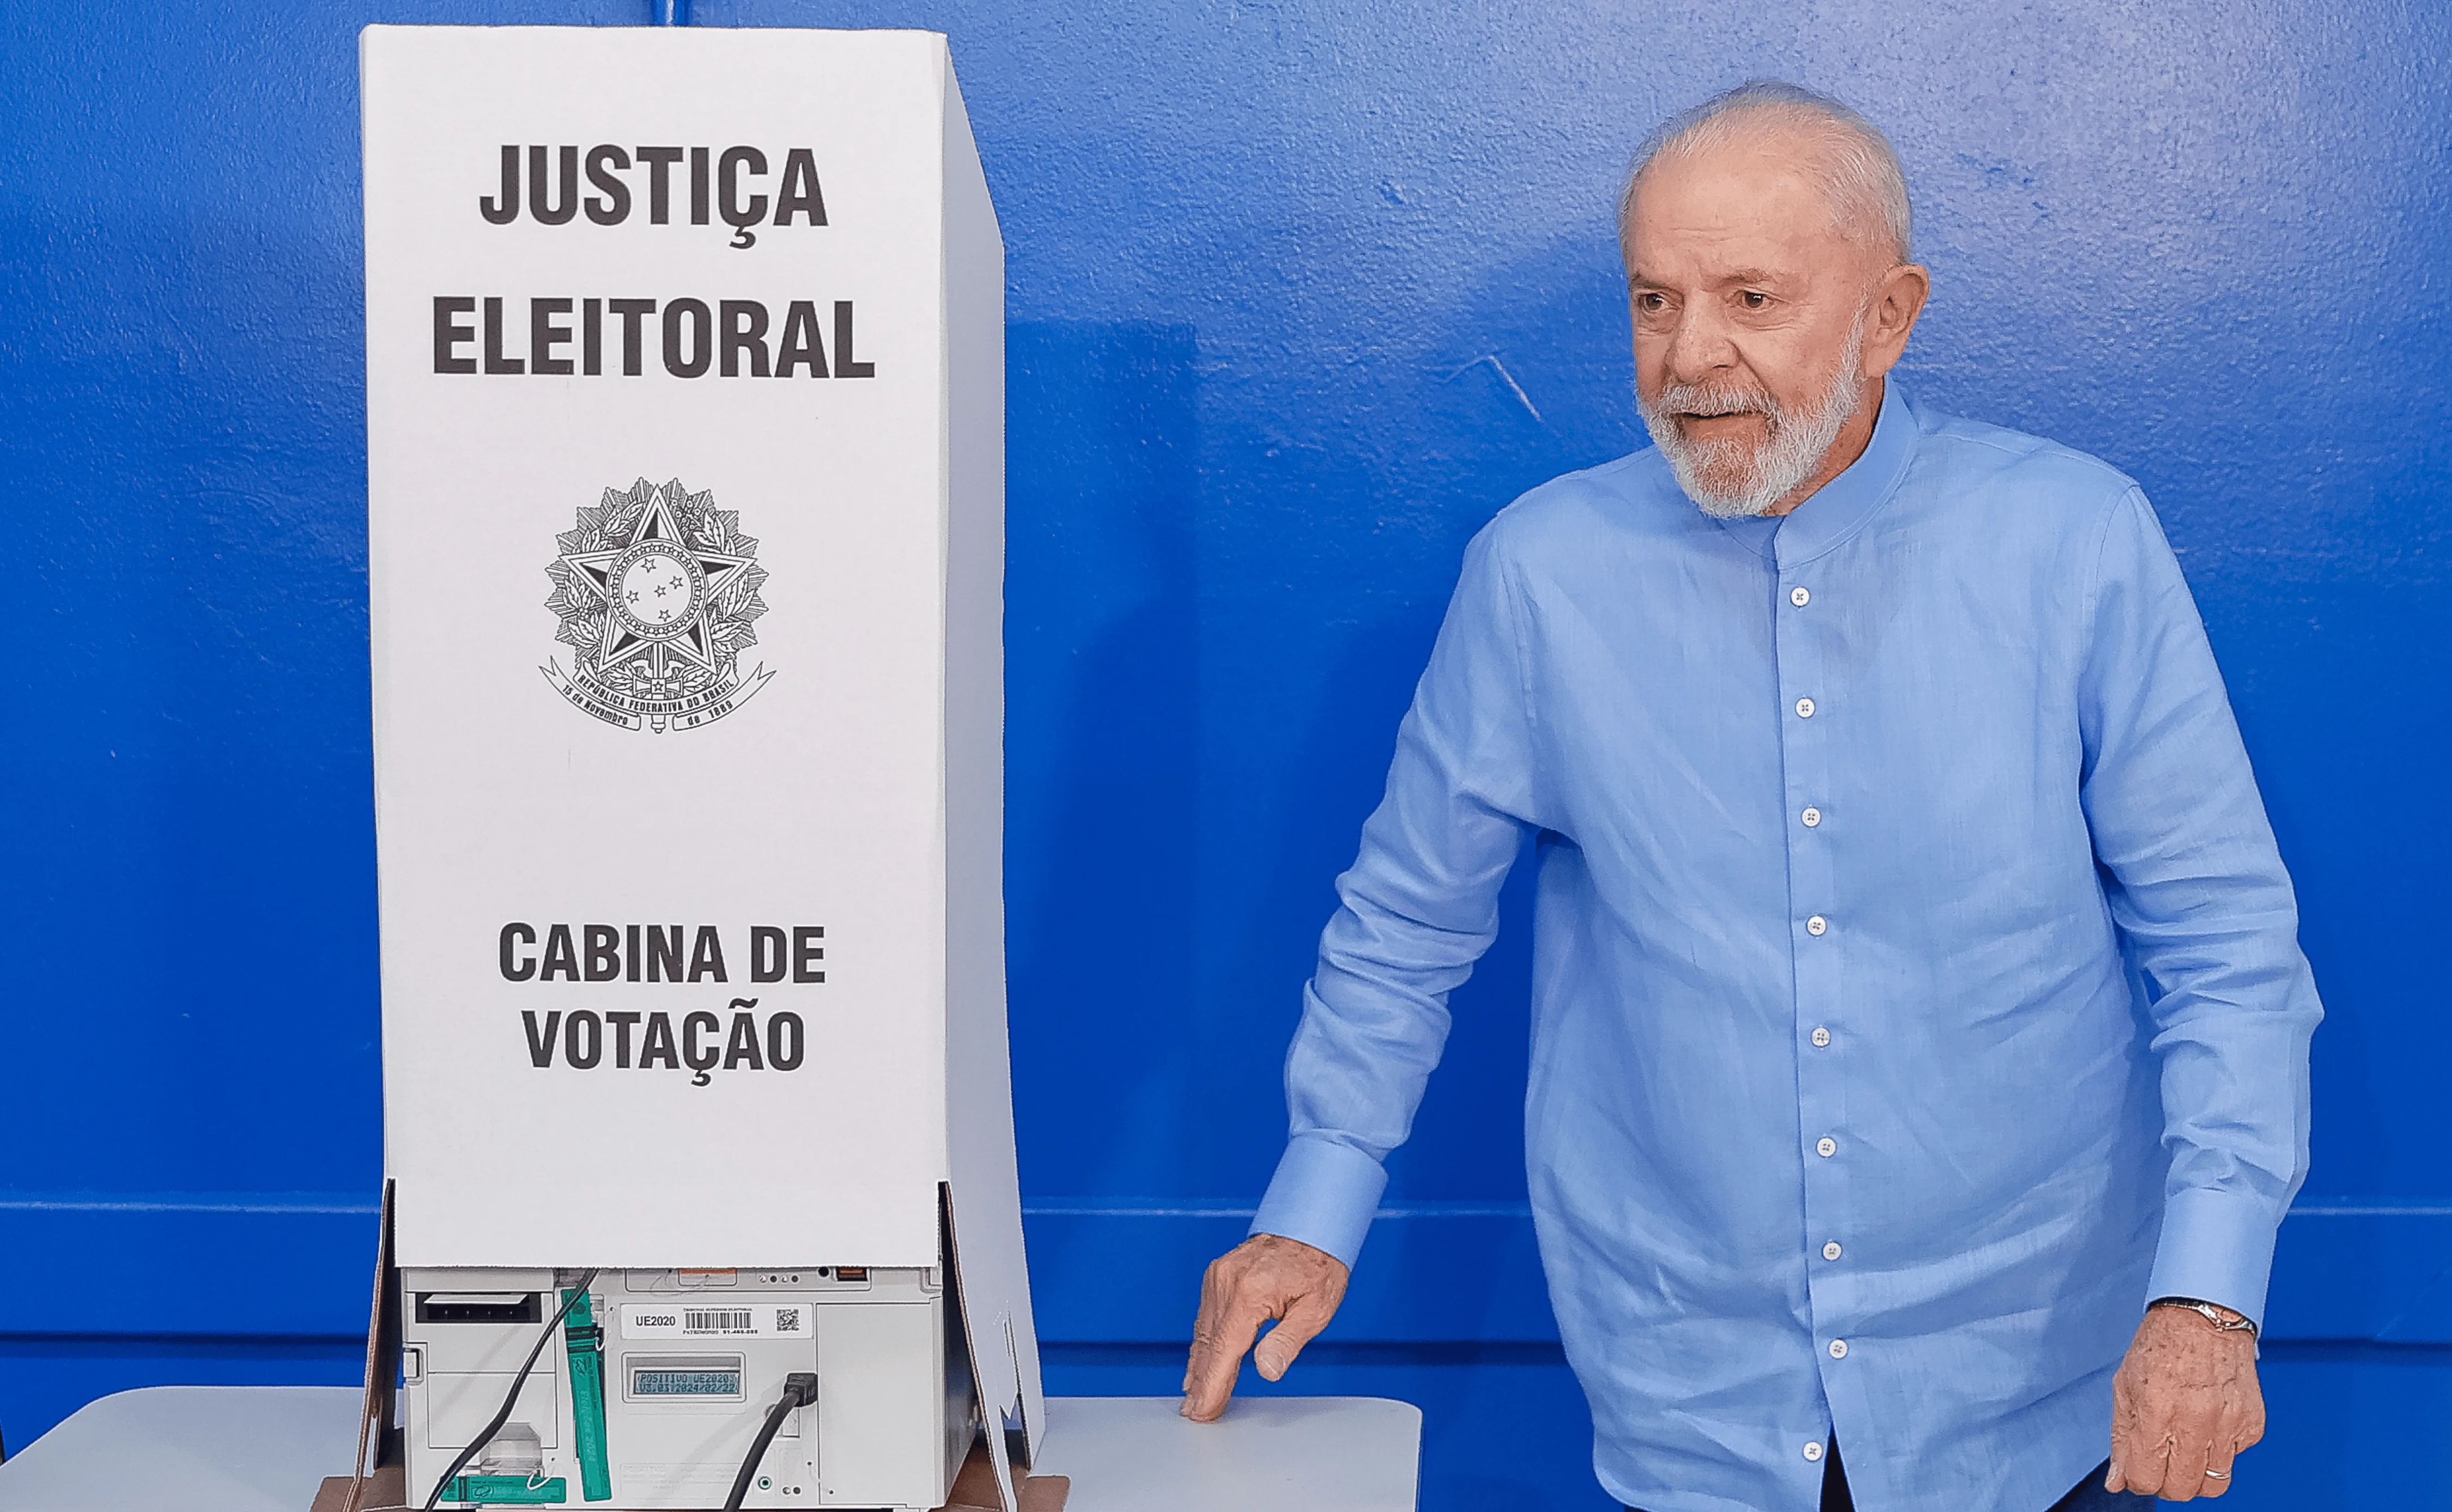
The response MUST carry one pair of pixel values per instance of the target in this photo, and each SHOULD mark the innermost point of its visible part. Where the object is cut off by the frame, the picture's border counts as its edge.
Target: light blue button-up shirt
(1916, 986)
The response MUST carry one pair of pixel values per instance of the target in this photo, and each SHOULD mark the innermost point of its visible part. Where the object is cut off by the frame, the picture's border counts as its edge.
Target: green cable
(585, 1342)
(451, 1479)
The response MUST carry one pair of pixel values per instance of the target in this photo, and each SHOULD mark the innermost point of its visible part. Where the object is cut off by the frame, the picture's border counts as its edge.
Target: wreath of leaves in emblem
(732, 611)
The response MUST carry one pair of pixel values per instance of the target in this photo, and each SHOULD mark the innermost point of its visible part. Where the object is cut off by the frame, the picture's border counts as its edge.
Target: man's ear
(1897, 301)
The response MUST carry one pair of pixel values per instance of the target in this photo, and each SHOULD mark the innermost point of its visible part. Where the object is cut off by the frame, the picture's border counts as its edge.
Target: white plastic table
(266, 1449)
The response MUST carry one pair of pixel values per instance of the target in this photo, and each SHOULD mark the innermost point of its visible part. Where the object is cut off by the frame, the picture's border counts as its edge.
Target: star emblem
(657, 592)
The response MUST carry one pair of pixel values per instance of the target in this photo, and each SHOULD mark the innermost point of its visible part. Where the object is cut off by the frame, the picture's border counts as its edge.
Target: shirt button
(1813, 1451)
(1799, 598)
(1805, 707)
(1830, 1250)
(1838, 1348)
(1811, 817)
(1828, 1147)
(1816, 924)
(1821, 1036)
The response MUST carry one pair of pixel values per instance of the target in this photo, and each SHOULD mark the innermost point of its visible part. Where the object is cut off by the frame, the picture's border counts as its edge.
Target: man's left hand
(2184, 1403)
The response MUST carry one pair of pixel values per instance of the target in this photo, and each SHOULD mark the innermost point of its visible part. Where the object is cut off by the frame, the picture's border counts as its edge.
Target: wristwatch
(2222, 1317)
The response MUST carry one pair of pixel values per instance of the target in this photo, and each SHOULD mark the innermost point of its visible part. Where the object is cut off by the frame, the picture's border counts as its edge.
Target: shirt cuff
(2215, 1247)
(1323, 1195)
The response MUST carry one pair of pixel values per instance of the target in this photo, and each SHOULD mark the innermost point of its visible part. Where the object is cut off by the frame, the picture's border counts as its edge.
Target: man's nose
(1699, 346)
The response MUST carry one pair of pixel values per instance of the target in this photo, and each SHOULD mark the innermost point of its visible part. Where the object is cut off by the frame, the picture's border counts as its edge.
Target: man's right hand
(1263, 1277)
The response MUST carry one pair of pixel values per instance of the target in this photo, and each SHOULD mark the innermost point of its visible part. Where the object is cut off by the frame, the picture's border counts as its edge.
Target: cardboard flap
(379, 1443)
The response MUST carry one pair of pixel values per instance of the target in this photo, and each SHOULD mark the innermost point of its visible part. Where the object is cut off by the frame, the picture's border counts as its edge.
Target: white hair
(1856, 169)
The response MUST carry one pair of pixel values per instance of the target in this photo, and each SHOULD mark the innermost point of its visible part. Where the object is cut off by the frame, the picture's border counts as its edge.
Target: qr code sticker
(787, 1320)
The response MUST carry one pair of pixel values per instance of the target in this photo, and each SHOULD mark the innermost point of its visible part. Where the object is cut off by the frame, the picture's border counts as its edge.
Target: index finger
(1220, 1340)
(2146, 1461)
(1216, 1289)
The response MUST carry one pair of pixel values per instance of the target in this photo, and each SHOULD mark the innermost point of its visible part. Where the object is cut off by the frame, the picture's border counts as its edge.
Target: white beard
(1792, 446)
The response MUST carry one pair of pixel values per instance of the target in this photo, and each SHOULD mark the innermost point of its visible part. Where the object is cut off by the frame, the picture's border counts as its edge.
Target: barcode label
(692, 1318)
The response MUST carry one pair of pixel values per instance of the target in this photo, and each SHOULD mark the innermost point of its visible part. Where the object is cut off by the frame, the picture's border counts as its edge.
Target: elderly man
(1918, 1015)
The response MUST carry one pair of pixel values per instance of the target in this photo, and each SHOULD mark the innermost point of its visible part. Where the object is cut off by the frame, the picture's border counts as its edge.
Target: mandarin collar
(1843, 503)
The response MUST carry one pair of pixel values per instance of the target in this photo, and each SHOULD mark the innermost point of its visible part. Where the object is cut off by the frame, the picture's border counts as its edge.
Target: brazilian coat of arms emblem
(657, 592)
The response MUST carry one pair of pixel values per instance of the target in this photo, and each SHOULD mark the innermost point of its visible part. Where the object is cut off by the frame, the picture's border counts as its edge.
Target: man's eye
(1652, 304)
(1755, 299)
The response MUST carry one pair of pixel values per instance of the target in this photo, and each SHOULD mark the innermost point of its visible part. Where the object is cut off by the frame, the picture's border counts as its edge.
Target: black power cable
(800, 1389)
(511, 1397)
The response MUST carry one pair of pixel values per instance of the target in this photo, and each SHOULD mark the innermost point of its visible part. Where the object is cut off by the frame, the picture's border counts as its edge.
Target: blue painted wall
(1301, 293)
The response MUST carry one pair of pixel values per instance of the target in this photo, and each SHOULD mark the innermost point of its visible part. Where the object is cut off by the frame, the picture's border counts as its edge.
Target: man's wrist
(1323, 1194)
(2229, 1320)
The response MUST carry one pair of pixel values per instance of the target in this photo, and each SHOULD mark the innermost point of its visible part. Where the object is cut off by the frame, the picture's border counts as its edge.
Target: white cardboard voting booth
(684, 373)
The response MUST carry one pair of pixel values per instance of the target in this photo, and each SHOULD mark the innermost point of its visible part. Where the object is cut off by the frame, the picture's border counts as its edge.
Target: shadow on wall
(1186, 604)
(1520, 375)
(1101, 784)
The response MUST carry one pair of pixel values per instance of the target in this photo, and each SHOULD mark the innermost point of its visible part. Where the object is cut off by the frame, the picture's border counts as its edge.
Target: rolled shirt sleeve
(2207, 914)
(1419, 908)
